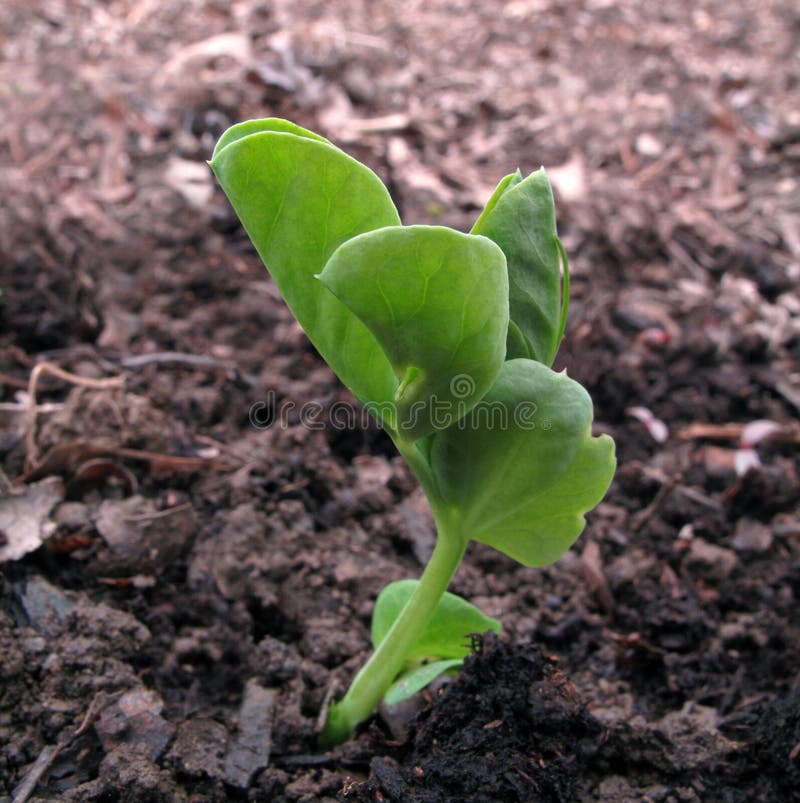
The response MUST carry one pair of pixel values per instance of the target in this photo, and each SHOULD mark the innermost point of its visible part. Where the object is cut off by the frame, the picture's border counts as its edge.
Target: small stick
(15, 407)
(42, 764)
(161, 514)
(733, 432)
(40, 160)
(99, 702)
(641, 518)
(50, 752)
(67, 456)
(53, 369)
(180, 358)
(13, 381)
(174, 462)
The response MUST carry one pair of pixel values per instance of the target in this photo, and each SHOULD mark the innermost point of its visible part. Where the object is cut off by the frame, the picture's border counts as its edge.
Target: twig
(181, 358)
(50, 752)
(641, 518)
(46, 156)
(240, 455)
(99, 702)
(232, 369)
(655, 169)
(42, 764)
(161, 514)
(177, 463)
(693, 495)
(54, 370)
(13, 381)
(67, 456)
(19, 407)
(733, 432)
(789, 392)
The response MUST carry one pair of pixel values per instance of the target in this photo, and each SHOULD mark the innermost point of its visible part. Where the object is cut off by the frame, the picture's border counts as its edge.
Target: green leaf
(505, 183)
(409, 683)
(268, 124)
(437, 302)
(520, 218)
(522, 468)
(299, 198)
(447, 631)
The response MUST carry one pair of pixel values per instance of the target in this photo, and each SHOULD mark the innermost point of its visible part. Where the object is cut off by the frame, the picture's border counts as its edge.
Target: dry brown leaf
(25, 517)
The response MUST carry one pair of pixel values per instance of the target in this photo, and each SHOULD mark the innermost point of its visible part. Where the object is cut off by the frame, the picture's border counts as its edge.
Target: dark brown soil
(201, 563)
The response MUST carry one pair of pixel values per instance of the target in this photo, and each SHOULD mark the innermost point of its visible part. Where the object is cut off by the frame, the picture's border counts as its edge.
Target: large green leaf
(520, 218)
(437, 302)
(522, 467)
(275, 125)
(299, 198)
(447, 631)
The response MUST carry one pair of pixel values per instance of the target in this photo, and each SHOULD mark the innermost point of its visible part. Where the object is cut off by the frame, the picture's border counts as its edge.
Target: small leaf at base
(408, 684)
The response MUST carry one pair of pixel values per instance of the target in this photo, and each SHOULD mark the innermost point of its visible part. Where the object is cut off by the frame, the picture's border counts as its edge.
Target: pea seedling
(447, 338)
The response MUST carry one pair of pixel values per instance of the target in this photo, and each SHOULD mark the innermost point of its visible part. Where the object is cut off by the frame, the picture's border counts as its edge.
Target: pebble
(135, 719)
(249, 753)
(42, 606)
(72, 516)
(752, 536)
(717, 560)
(199, 748)
(141, 537)
(648, 145)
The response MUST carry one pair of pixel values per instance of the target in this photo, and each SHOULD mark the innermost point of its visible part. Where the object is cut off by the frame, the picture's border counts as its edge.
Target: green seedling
(447, 338)
(441, 645)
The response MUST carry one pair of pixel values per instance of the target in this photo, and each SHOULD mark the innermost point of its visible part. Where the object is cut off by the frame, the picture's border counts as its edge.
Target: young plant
(447, 338)
(441, 646)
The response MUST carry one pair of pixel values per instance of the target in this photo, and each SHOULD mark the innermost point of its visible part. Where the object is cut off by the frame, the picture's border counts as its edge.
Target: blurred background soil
(184, 577)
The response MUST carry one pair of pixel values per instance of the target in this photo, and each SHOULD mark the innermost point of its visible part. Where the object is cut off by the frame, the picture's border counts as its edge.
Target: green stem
(419, 464)
(375, 677)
